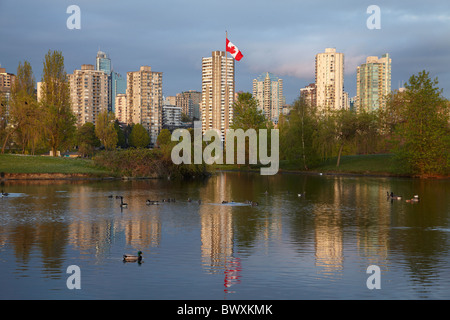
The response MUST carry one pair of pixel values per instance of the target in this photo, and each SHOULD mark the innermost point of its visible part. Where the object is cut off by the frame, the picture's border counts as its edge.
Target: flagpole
(227, 98)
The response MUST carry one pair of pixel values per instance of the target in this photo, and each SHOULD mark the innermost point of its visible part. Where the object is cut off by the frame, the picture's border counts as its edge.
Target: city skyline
(173, 37)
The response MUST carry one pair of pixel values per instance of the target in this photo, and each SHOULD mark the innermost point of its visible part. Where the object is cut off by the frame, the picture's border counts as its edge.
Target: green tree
(422, 138)
(121, 139)
(347, 127)
(105, 130)
(87, 141)
(246, 114)
(24, 116)
(58, 119)
(164, 138)
(139, 137)
(298, 132)
(3, 116)
(185, 118)
(368, 137)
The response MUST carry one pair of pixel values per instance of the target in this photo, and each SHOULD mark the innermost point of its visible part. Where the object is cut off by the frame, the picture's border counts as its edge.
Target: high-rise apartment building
(373, 83)
(268, 91)
(217, 92)
(121, 113)
(330, 80)
(171, 117)
(6, 82)
(145, 100)
(308, 94)
(116, 83)
(189, 101)
(88, 93)
(103, 62)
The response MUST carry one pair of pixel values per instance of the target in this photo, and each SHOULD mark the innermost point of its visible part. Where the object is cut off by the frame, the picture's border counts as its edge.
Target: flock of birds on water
(392, 196)
(138, 258)
(157, 202)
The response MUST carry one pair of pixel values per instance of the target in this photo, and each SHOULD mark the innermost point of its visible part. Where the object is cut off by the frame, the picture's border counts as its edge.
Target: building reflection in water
(350, 208)
(216, 225)
(95, 223)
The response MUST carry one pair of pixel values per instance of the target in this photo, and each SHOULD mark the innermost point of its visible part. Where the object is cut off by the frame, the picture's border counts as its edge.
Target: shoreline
(51, 176)
(5, 176)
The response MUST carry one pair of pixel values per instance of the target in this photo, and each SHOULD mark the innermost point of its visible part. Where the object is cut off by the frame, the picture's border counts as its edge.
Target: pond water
(318, 245)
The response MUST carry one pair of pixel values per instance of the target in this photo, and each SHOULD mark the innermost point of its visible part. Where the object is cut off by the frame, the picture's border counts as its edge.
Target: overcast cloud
(281, 37)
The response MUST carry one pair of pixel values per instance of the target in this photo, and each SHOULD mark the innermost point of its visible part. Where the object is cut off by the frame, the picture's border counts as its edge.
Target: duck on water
(132, 258)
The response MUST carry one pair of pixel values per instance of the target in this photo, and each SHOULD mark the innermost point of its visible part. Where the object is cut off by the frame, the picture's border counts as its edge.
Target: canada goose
(5, 194)
(414, 199)
(132, 258)
(395, 197)
(123, 204)
(150, 202)
(301, 194)
(111, 196)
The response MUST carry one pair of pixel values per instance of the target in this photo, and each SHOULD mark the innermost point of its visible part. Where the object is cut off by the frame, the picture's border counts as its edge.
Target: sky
(277, 36)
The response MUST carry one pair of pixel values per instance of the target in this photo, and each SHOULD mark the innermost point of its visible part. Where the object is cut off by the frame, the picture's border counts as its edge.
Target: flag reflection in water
(232, 272)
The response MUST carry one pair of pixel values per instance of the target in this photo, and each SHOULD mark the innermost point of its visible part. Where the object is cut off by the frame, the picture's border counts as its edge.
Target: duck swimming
(133, 258)
(150, 202)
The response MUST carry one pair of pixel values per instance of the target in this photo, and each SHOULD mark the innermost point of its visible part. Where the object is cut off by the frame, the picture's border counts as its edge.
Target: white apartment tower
(268, 91)
(145, 100)
(88, 93)
(373, 83)
(217, 92)
(330, 80)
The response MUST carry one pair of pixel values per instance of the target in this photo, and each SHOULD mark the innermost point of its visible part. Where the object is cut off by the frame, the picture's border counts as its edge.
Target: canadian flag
(234, 51)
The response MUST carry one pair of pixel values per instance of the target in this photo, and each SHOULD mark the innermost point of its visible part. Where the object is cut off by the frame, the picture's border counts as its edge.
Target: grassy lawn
(10, 163)
(358, 164)
(374, 163)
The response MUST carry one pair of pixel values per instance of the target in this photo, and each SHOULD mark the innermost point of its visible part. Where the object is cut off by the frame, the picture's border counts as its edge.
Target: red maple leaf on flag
(234, 51)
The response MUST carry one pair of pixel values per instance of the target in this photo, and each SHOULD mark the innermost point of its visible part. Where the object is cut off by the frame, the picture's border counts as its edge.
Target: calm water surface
(317, 246)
